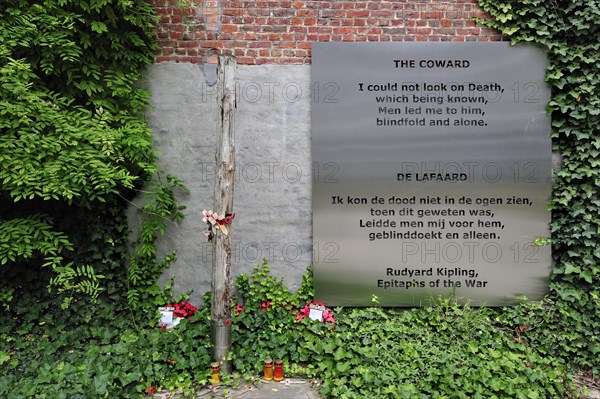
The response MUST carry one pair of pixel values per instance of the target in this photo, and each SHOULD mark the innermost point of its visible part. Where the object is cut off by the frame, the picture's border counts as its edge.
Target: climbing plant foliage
(570, 32)
(75, 284)
(72, 132)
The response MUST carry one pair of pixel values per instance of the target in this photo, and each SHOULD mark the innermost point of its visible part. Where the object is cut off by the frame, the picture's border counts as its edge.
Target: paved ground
(288, 389)
(301, 389)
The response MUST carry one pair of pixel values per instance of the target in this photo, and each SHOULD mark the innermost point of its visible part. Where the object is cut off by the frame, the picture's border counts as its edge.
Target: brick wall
(281, 31)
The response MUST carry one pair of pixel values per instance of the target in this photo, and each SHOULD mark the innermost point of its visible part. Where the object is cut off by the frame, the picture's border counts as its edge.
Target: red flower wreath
(327, 313)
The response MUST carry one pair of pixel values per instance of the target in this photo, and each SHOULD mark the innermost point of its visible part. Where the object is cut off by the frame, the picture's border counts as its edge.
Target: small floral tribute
(314, 310)
(183, 310)
(173, 313)
(327, 316)
(216, 223)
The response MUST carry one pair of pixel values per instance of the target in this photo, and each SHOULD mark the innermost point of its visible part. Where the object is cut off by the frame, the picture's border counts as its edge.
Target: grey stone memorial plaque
(432, 173)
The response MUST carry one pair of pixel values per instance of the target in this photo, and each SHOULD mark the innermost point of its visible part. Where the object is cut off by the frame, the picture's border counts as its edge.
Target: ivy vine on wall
(569, 31)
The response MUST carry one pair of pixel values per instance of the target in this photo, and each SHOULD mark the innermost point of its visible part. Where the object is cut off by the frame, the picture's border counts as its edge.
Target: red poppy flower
(239, 308)
(228, 219)
(183, 309)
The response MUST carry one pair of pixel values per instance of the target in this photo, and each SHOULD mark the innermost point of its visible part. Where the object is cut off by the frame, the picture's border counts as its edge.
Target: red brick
(259, 44)
(445, 31)
(229, 28)
(414, 15)
(468, 31)
(286, 44)
(290, 60)
(432, 14)
(357, 13)
(164, 11)
(305, 12)
(245, 60)
(165, 58)
(231, 11)
(343, 29)
(212, 44)
(299, 29)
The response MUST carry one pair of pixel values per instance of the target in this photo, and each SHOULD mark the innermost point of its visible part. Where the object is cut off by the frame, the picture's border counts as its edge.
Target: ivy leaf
(343, 367)
(587, 275)
(570, 268)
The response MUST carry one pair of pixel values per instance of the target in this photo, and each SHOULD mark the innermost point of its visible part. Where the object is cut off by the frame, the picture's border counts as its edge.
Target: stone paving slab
(287, 389)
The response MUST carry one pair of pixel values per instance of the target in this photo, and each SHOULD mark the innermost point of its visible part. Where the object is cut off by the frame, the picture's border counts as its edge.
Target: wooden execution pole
(224, 179)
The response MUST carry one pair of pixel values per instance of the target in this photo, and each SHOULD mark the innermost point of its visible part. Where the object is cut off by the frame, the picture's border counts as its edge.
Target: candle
(278, 372)
(215, 367)
(268, 369)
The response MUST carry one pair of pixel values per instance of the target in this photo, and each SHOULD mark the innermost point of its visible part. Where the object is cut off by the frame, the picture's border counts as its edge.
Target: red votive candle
(278, 372)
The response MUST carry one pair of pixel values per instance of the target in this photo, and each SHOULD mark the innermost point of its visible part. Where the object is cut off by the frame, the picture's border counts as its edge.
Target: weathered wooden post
(224, 180)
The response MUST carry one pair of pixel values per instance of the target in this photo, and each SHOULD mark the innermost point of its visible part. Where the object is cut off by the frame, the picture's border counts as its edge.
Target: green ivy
(442, 351)
(72, 131)
(74, 151)
(143, 292)
(569, 31)
(93, 349)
